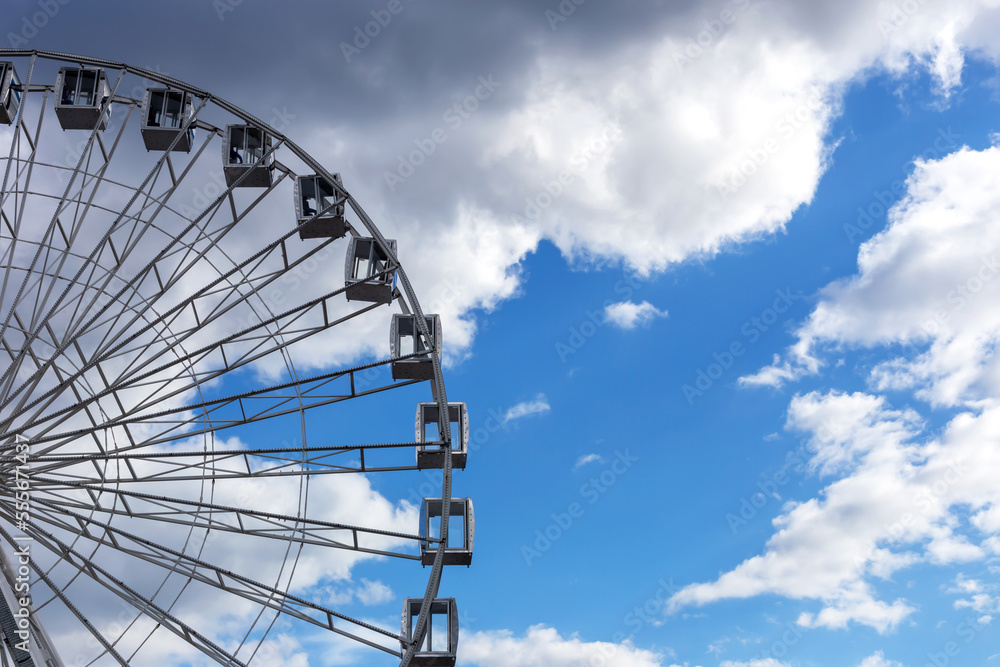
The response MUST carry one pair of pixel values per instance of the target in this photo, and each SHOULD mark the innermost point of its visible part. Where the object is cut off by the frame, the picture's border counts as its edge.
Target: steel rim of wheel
(125, 360)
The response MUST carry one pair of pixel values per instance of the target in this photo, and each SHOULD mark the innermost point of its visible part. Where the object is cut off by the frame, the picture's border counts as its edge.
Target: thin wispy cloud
(538, 406)
(587, 458)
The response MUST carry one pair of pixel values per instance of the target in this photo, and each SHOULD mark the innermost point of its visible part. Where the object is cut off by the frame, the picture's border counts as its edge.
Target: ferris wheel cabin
(164, 113)
(313, 196)
(243, 150)
(461, 530)
(365, 261)
(405, 340)
(428, 431)
(80, 96)
(10, 93)
(440, 645)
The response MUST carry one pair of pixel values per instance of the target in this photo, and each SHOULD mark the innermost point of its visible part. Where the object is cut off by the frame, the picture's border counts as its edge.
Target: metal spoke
(241, 515)
(181, 427)
(40, 572)
(86, 566)
(218, 576)
(134, 327)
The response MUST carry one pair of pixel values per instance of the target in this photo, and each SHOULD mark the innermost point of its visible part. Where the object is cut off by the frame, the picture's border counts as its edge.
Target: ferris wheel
(205, 435)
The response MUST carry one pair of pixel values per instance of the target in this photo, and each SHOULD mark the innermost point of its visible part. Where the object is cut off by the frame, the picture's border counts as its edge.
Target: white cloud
(925, 283)
(965, 585)
(373, 592)
(766, 662)
(587, 458)
(640, 155)
(877, 659)
(538, 406)
(661, 159)
(923, 286)
(543, 647)
(665, 158)
(895, 500)
(627, 315)
(321, 574)
(982, 598)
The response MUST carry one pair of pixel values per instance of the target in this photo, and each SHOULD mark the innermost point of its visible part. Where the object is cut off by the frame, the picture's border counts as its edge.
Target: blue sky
(691, 508)
(718, 283)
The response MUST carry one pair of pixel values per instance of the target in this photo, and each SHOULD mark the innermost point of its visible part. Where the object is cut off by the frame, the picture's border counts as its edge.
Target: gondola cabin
(10, 93)
(461, 530)
(81, 94)
(429, 430)
(440, 645)
(164, 113)
(314, 195)
(243, 150)
(365, 261)
(405, 339)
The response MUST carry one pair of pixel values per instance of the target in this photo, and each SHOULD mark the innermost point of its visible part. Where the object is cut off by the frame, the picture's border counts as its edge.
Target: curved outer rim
(437, 382)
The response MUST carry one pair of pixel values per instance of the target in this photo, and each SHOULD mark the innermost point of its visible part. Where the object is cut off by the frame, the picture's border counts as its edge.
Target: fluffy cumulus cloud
(669, 144)
(544, 647)
(682, 141)
(897, 494)
(926, 283)
(897, 497)
(707, 129)
(699, 127)
(604, 177)
(627, 315)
